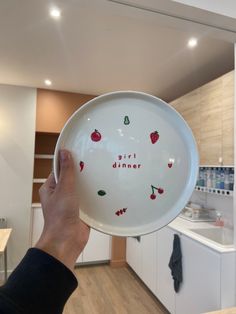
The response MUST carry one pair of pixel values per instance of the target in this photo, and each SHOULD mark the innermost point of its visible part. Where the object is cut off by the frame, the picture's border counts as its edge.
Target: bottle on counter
(226, 183)
(218, 178)
(213, 176)
(208, 179)
(222, 178)
(205, 177)
(201, 177)
(231, 179)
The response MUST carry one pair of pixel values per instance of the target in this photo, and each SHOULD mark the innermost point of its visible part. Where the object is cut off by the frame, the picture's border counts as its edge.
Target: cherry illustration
(118, 213)
(160, 190)
(96, 136)
(153, 196)
(154, 136)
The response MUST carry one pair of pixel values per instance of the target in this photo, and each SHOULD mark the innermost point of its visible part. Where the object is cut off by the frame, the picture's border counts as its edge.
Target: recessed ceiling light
(192, 42)
(55, 13)
(47, 82)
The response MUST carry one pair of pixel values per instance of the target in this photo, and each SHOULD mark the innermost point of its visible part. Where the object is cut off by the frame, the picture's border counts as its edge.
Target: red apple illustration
(154, 136)
(153, 196)
(170, 164)
(96, 136)
(160, 190)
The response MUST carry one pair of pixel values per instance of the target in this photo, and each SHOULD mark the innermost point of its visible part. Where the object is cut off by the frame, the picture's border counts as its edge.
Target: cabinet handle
(138, 238)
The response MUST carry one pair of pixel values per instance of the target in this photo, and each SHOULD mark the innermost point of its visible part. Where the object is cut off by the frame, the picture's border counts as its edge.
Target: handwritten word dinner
(126, 161)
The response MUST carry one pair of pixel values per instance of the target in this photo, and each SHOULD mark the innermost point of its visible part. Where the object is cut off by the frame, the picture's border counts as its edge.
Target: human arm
(44, 279)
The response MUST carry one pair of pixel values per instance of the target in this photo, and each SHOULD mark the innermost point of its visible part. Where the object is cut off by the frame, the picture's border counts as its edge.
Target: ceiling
(99, 46)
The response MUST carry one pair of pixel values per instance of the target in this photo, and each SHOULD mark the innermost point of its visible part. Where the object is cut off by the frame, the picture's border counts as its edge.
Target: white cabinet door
(148, 260)
(97, 248)
(165, 288)
(200, 290)
(133, 254)
(37, 224)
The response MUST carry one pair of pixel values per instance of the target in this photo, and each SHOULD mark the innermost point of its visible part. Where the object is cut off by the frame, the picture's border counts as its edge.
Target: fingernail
(64, 155)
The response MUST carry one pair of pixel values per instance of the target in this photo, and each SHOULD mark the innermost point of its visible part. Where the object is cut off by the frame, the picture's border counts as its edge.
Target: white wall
(17, 132)
(225, 7)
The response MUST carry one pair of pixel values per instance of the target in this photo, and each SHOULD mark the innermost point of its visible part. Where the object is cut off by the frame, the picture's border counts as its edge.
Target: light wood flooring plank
(106, 290)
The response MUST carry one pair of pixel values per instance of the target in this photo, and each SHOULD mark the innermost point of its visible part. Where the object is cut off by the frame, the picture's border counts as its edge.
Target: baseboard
(118, 263)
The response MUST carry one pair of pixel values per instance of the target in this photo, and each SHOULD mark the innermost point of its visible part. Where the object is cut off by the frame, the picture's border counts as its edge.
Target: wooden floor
(106, 290)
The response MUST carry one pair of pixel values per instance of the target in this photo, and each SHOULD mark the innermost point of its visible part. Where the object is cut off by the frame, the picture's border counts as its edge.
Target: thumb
(66, 170)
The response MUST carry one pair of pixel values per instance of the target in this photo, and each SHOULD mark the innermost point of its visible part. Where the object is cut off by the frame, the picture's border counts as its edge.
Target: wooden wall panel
(55, 107)
(209, 111)
(228, 118)
(211, 123)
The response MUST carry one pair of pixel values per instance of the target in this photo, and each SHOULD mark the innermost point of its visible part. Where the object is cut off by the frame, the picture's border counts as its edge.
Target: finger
(48, 187)
(66, 170)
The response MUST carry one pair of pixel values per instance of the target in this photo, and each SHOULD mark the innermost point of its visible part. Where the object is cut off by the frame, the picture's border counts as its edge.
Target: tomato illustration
(154, 136)
(96, 136)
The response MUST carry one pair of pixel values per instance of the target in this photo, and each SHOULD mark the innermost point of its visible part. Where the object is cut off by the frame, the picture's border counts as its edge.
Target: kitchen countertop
(231, 310)
(183, 226)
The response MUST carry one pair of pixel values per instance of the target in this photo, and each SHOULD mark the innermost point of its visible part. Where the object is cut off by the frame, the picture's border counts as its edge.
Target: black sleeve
(39, 285)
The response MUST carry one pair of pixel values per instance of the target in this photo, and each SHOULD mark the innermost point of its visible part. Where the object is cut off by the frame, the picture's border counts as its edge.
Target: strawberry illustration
(96, 136)
(170, 164)
(154, 136)
(81, 164)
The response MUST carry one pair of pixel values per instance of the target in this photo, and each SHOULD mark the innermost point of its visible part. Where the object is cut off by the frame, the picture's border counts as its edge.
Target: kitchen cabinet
(205, 284)
(209, 111)
(201, 287)
(133, 253)
(208, 275)
(141, 256)
(148, 260)
(203, 276)
(97, 249)
(164, 288)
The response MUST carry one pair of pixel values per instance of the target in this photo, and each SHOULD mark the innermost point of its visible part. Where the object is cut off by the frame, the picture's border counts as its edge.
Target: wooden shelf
(43, 156)
(39, 180)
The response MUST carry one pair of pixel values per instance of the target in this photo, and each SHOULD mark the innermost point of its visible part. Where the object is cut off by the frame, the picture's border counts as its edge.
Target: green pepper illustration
(126, 120)
(101, 192)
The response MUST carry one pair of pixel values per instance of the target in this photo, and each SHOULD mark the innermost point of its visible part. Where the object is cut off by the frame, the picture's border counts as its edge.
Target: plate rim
(193, 173)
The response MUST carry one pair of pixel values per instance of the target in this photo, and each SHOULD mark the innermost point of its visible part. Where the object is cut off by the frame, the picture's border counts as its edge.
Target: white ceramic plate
(136, 162)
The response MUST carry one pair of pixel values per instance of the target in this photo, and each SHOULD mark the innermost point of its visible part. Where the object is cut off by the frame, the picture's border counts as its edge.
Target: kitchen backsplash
(222, 204)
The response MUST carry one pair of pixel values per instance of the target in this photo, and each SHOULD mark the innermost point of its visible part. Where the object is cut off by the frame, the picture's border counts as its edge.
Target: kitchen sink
(222, 236)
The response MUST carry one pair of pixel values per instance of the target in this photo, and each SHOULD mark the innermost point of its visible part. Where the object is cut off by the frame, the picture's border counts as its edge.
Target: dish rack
(198, 214)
